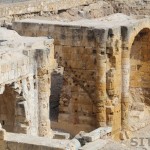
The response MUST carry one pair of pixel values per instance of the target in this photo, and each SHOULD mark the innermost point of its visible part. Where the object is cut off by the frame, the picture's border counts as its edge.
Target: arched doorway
(13, 115)
(7, 109)
(139, 85)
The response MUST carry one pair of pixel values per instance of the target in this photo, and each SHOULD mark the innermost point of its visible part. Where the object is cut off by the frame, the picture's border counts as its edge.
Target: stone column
(125, 87)
(101, 37)
(101, 90)
(43, 74)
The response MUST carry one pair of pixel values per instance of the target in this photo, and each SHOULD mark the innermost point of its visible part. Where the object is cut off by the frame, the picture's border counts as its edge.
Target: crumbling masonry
(72, 76)
(101, 60)
(25, 70)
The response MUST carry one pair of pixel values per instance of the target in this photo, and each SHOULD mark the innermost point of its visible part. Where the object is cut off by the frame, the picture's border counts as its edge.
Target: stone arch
(135, 59)
(13, 117)
(139, 65)
(7, 109)
(134, 31)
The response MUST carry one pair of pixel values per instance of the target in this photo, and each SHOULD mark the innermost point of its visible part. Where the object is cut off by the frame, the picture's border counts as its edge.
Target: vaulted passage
(13, 114)
(7, 109)
(140, 76)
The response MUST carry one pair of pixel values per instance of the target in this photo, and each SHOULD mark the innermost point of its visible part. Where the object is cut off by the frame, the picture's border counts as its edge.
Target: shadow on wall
(56, 86)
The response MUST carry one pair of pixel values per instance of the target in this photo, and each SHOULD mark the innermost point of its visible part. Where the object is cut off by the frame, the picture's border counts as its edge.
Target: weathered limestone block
(97, 134)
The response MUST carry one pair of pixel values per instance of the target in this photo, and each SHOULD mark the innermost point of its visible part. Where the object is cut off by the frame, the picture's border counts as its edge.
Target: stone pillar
(101, 90)
(125, 87)
(43, 74)
(101, 37)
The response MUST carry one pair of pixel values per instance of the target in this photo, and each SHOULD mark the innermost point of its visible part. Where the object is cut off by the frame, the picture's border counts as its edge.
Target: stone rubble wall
(38, 6)
(138, 7)
(68, 9)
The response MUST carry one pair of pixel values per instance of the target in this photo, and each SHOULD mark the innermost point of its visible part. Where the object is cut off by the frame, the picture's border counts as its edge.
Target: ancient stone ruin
(75, 75)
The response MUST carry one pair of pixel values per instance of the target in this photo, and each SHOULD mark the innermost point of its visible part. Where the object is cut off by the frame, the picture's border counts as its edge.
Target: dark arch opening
(12, 111)
(7, 109)
(140, 77)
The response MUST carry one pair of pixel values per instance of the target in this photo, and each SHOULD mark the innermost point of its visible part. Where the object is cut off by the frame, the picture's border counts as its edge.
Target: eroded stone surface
(19, 88)
(104, 76)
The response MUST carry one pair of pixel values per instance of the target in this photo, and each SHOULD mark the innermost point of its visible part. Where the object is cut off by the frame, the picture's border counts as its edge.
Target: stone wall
(85, 102)
(38, 6)
(17, 83)
(98, 77)
(13, 141)
(26, 64)
(77, 95)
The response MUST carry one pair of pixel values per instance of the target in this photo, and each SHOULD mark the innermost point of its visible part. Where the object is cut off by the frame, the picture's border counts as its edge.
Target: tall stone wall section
(91, 93)
(77, 95)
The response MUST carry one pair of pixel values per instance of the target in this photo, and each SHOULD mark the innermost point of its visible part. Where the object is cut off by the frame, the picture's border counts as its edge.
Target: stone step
(96, 145)
(97, 134)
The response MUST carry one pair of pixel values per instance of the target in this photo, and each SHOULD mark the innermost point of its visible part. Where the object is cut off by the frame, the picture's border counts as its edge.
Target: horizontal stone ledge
(97, 134)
